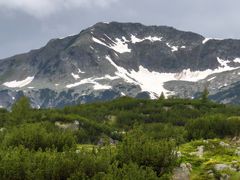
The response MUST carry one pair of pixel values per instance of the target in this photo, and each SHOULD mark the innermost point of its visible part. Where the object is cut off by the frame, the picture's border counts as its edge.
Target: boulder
(237, 152)
(199, 152)
(225, 177)
(223, 144)
(182, 172)
(210, 173)
(221, 167)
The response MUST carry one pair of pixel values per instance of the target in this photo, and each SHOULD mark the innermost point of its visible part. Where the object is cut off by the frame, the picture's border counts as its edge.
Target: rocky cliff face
(109, 60)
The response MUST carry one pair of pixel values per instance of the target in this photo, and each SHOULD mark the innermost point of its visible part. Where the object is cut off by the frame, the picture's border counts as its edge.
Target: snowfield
(153, 82)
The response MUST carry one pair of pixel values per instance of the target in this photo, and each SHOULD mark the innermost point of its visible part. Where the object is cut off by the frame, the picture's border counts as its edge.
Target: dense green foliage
(39, 136)
(21, 163)
(130, 138)
(213, 126)
(144, 151)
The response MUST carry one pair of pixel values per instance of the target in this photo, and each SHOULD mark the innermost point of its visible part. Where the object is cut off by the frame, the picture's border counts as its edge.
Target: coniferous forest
(125, 138)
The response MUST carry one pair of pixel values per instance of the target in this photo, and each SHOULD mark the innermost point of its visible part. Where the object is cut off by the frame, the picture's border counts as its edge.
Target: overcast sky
(30, 24)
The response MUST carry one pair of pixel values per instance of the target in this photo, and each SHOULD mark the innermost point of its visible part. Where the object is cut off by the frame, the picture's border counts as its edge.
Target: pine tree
(205, 94)
(21, 110)
(162, 96)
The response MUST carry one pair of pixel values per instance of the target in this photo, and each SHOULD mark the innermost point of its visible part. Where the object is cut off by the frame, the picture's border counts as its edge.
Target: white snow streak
(70, 35)
(19, 84)
(99, 42)
(123, 94)
(75, 76)
(97, 85)
(119, 45)
(121, 72)
(135, 40)
(206, 40)
(211, 78)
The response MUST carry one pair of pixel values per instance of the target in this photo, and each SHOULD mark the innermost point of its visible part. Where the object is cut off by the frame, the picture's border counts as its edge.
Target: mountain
(109, 60)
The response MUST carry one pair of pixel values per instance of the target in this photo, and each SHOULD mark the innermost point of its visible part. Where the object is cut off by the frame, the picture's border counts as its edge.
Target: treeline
(192, 119)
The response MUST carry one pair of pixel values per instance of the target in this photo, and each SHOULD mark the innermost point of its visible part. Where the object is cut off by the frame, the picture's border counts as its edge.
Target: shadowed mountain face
(106, 61)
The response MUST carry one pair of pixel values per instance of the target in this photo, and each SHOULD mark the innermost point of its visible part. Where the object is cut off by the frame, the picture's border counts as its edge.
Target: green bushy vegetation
(125, 138)
(39, 136)
(214, 126)
(143, 150)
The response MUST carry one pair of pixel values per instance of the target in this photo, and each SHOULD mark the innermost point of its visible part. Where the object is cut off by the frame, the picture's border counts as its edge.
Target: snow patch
(123, 94)
(19, 84)
(75, 76)
(188, 75)
(135, 40)
(207, 39)
(174, 48)
(119, 45)
(79, 71)
(97, 85)
(237, 60)
(152, 82)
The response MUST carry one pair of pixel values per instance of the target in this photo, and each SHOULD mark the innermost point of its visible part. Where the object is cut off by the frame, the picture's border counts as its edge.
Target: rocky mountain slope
(109, 60)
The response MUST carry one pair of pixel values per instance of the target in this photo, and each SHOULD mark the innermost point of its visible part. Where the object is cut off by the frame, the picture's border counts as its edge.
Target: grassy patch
(214, 153)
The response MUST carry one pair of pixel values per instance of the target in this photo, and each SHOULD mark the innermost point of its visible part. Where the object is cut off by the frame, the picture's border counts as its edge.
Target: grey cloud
(20, 31)
(43, 8)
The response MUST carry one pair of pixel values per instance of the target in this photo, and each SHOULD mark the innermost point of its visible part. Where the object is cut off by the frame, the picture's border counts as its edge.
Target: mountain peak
(108, 60)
